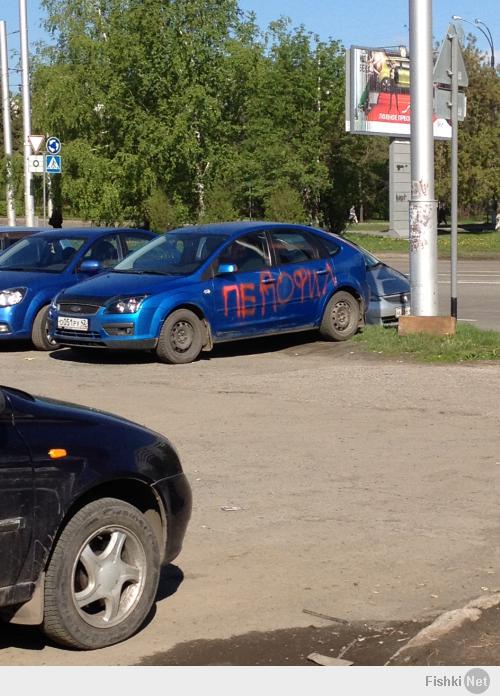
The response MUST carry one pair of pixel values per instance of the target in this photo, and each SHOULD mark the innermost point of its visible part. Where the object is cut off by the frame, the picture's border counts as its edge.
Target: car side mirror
(227, 268)
(91, 267)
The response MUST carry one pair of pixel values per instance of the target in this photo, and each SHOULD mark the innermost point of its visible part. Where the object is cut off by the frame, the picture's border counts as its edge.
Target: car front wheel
(102, 579)
(181, 338)
(40, 332)
(341, 318)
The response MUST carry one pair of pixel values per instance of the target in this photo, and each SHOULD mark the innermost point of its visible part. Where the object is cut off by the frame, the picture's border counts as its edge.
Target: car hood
(55, 408)
(110, 285)
(29, 279)
(384, 280)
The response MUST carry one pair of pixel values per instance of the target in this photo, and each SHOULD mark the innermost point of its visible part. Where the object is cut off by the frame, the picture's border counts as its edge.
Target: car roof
(4, 229)
(69, 232)
(234, 228)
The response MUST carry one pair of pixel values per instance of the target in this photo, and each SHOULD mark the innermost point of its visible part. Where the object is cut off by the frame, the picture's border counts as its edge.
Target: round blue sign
(53, 145)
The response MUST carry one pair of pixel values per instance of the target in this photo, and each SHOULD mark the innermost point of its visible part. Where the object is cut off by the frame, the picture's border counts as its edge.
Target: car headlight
(126, 305)
(12, 296)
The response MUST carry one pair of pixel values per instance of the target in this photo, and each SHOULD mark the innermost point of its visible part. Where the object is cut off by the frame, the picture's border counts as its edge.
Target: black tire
(39, 332)
(341, 317)
(181, 338)
(94, 534)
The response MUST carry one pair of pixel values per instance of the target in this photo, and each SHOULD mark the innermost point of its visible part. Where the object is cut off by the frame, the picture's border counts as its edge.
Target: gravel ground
(364, 489)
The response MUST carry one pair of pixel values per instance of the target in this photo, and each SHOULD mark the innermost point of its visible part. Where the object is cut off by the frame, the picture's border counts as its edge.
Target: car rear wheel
(40, 332)
(341, 318)
(102, 579)
(181, 338)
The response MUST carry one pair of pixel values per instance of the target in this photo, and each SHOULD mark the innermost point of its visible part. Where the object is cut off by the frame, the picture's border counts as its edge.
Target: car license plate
(403, 311)
(72, 324)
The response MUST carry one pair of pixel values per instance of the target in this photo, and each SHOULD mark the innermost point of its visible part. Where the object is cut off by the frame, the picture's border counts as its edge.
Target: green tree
(479, 141)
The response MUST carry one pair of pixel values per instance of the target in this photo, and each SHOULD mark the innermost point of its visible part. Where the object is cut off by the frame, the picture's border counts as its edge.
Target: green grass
(378, 244)
(370, 226)
(479, 245)
(469, 343)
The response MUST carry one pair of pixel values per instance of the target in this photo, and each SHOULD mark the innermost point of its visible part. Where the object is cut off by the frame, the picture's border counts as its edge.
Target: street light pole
(489, 38)
(29, 200)
(7, 128)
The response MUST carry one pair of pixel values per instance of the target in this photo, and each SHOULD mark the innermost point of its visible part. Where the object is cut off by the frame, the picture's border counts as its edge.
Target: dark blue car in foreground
(197, 286)
(91, 507)
(37, 267)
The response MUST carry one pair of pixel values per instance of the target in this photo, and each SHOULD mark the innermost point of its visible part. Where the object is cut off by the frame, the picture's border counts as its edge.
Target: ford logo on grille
(75, 308)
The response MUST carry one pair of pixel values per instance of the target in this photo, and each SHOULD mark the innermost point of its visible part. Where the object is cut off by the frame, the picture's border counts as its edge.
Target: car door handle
(322, 272)
(12, 525)
(268, 281)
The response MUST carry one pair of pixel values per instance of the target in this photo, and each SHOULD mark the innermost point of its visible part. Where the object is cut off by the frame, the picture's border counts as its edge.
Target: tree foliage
(176, 111)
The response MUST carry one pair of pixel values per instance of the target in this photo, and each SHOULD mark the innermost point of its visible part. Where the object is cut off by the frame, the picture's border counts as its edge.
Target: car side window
(104, 250)
(331, 247)
(132, 242)
(248, 253)
(293, 246)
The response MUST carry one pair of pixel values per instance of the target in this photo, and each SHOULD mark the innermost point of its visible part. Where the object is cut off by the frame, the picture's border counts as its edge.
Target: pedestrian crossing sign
(53, 164)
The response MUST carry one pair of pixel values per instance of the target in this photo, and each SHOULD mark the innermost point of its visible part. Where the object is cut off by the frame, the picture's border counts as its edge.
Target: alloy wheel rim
(108, 576)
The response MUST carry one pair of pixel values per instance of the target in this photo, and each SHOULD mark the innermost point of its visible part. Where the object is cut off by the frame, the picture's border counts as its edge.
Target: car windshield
(174, 253)
(40, 253)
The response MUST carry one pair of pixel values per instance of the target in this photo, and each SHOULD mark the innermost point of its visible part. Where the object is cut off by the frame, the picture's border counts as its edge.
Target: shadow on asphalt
(301, 343)
(473, 228)
(31, 638)
(360, 643)
(17, 347)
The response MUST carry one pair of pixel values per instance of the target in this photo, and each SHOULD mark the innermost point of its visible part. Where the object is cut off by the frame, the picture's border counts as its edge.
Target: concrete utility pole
(29, 200)
(423, 208)
(7, 129)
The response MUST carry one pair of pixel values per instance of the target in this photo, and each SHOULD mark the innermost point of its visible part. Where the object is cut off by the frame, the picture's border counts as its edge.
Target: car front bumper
(176, 495)
(12, 323)
(119, 332)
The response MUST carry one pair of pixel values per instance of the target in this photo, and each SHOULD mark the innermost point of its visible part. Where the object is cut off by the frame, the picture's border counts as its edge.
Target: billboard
(378, 93)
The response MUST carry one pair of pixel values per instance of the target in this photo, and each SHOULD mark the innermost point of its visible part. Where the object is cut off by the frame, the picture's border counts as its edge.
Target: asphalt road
(478, 289)
(363, 488)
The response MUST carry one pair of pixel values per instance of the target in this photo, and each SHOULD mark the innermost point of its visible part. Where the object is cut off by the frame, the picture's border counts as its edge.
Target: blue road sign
(53, 164)
(53, 145)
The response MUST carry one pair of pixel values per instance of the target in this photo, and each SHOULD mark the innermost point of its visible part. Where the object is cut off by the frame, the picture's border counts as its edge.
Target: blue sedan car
(193, 287)
(37, 267)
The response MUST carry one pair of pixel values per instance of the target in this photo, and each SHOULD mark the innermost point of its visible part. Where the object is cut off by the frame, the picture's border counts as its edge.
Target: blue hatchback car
(196, 286)
(37, 267)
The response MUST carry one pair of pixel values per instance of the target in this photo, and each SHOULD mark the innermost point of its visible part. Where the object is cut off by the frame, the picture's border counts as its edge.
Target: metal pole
(29, 200)
(423, 211)
(7, 128)
(454, 172)
(44, 199)
(489, 38)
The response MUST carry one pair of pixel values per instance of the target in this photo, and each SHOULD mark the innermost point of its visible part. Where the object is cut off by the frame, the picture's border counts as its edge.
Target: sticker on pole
(53, 164)
(35, 164)
(35, 141)
(53, 145)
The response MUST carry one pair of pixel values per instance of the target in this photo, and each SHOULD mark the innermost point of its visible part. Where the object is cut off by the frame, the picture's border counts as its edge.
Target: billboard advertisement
(378, 93)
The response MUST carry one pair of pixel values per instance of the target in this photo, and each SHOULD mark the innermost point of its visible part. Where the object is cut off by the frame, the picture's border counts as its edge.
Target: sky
(362, 22)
